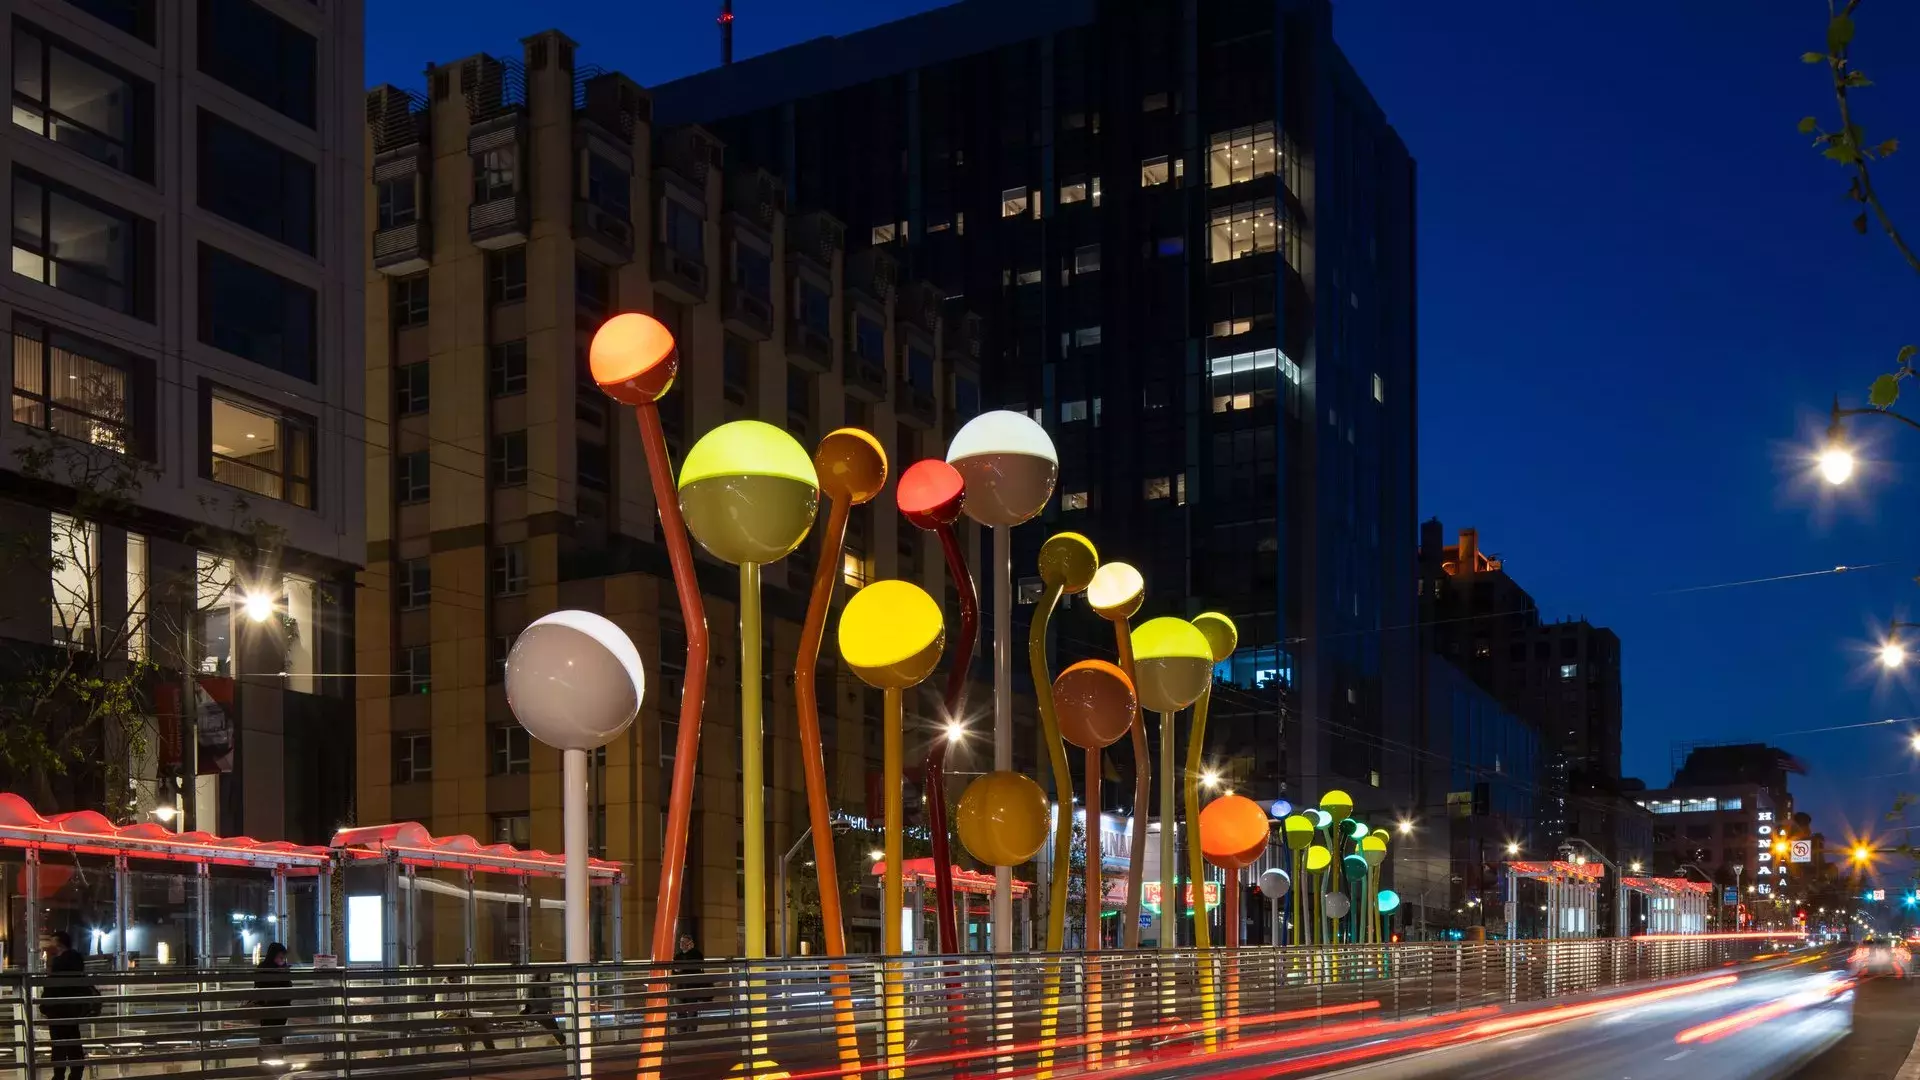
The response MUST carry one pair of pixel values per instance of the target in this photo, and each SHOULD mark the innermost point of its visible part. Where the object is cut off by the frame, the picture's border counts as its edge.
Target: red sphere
(931, 494)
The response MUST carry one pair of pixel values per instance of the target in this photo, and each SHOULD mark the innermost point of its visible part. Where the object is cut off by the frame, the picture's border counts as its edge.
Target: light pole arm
(1907, 420)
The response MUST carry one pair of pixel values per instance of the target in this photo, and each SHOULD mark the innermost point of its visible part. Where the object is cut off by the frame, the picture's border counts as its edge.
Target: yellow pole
(894, 899)
(1062, 777)
(1196, 862)
(1169, 899)
(753, 835)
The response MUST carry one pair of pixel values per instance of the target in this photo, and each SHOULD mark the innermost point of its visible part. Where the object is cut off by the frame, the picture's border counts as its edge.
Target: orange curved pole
(693, 698)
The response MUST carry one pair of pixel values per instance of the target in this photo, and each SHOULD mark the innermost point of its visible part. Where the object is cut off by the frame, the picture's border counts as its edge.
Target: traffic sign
(1801, 851)
(1732, 896)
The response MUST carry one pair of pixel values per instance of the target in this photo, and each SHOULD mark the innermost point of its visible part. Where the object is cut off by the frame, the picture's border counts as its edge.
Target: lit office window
(1013, 202)
(1244, 229)
(1242, 154)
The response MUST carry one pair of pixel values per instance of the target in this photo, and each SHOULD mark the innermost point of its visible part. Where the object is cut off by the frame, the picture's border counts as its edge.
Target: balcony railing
(498, 223)
(746, 313)
(913, 404)
(404, 249)
(866, 377)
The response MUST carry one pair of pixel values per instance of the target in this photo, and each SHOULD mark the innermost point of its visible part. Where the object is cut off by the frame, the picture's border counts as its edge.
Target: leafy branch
(1848, 146)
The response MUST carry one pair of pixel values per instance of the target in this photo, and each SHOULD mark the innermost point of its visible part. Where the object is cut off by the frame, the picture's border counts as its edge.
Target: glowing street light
(1862, 854)
(1513, 848)
(1635, 867)
(1892, 654)
(1836, 464)
(1405, 826)
(258, 606)
(956, 731)
(1210, 780)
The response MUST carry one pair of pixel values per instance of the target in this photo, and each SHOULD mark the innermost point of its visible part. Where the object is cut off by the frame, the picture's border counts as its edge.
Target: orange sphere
(634, 358)
(1095, 704)
(1233, 831)
(1002, 819)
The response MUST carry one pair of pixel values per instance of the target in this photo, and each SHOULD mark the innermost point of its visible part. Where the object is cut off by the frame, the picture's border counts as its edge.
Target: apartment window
(258, 448)
(883, 234)
(1231, 327)
(499, 648)
(686, 231)
(1086, 259)
(919, 368)
(506, 275)
(869, 340)
(507, 367)
(255, 183)
(133, 17)
(1569, 671)
(1073, 191)
(1086, 337)
(515, 830)
(412, 757)
(73, 547)
(509, 573)
(816, 307)
(1155, 171)
(1179, 489)
(1154, 102)
(736, 369)
(1157, 487)
(72, 387)
(509, 750)
(853, 569)
(966, 398)
(1379, 388)
(1013, 202)
(137, 636)
(257, 314)
(592, 465)
(260, 55)
(1170, 246)
(609, 186)
(1244, 229)
(753, 270)
(70, 98)
(409, 301)
(414, 583)
(1073, 500)
(493, 173)
(1240, 155)
(592, 286)
(1071, 411)
(1232, 402)
(397, 203)
(80, 245)
(1027, 277)
(412, 477)
(507, 459)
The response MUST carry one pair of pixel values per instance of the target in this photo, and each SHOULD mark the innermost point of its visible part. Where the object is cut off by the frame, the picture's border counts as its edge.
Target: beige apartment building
(513, 205)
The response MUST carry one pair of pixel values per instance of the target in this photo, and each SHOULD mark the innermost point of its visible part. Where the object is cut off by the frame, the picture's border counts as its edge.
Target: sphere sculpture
(1221, 637)
(891, 635)
(852, 469)
(1067, 564)
(1275, 883)
(1009, 464)
(1115, 594)
(749, 493)
(1389, 901)
(1318, 859)
(1297, 830)
(931, 495)
(1095, 703)
(1002, 819)
(1337, 804)
(1336, 905)
(633, 358)
(1172, 666)
(1356, 829)
(574, 681)
(1009, 467)
(1233, 832)
(1280, 808)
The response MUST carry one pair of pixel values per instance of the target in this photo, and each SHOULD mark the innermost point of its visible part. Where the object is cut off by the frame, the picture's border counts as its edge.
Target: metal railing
(908, 1018)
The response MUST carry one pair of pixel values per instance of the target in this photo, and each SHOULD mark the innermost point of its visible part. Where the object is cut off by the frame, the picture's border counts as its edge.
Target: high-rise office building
(185, 320)
(516, 203)
(1190, 231)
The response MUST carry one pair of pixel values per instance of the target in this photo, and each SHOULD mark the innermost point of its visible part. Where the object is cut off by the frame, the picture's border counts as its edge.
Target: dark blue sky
(1638, 289)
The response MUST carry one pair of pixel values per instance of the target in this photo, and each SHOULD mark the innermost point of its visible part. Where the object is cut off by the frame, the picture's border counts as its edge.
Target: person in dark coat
(539, 1006)
(275, 988)
(689, 987)
(67, 998)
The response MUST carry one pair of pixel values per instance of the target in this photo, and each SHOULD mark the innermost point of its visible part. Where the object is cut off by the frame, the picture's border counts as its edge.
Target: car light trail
(1714, 1030)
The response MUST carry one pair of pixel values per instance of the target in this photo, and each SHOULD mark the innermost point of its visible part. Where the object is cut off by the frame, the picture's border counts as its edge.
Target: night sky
(1638, 291)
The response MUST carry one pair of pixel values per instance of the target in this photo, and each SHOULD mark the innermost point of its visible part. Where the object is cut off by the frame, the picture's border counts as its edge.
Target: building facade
(1190, 231)
(185, 316)
(1492, 765)
(1734, 832)
(516, 203)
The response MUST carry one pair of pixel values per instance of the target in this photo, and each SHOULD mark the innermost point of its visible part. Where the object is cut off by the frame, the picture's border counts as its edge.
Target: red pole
(956, 700)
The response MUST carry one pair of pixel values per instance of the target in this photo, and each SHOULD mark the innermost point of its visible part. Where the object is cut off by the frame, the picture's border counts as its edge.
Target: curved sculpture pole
(634, 359)
(1222, 637)
(1115, 595)
(1173, 666)
(931, 495)
(1067, 565)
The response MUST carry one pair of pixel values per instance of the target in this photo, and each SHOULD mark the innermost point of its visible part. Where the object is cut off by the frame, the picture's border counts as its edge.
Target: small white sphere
(1275, 883)
(1336, 905)
(574, 680)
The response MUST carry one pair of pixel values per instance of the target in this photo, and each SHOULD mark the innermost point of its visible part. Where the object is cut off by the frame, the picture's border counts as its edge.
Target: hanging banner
(166, 708)
(214, 719)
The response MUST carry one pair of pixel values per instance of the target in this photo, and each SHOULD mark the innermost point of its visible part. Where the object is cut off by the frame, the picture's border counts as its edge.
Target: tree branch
(1907, 420)
(1838, 65)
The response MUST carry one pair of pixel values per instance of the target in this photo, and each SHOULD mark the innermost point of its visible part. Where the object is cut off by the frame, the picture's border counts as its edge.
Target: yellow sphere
(1338, 804)
(1373, 849)
(852, 465)
(1172, 664)
(1116, 591)
(891, 634)
(749, 492)
(1318, 858)
(1069, 561)
(1298, 830)
(1221, 634)
(1002, 819)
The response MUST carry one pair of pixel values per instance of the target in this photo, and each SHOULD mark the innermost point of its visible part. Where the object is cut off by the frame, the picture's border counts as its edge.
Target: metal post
(390, 914)
(619, 949)
(1003, 717)
(122, 903)
(203, 914)
(573, 803)
(471, 915)
(780, 890)
(31, 887)
(323, 912)
(526, 920)
(413, 921)
(282, 931)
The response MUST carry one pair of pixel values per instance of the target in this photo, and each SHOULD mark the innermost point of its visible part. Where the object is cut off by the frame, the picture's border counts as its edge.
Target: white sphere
(574, 680)
(1274, 883)
(1337, 904)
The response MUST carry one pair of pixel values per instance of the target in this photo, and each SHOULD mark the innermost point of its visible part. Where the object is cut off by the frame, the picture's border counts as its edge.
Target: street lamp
(1835, 459)
(1862, 853)
(1893, 651)
(1513, 847)
(1405, 826)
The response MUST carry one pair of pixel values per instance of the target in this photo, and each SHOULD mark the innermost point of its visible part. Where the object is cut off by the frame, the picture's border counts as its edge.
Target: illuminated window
(1027, 277)
(853, 569)
(1240, 155)
(1086, 259)
(884, 234)
(1073, 191)
(74, 550)
(1244, 229)
(1155, 171)
(1157, 487)
(1239, 363)
(1096, 196)
(1086, 336)
(1073, 410)
(1379, 389)
(1232, 402)
(1568, 671)
(1232, 327)
(1013, 202)
(1073, 500)
(1179, 489)
(136, 596)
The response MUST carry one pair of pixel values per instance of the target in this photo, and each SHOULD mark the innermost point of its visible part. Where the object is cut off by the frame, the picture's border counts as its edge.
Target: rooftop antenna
(726, 31)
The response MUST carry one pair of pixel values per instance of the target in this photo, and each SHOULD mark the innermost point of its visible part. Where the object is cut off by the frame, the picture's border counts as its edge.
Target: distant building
(1733, 832)
(1491, 766)
(1741, 763)
(1562, 677)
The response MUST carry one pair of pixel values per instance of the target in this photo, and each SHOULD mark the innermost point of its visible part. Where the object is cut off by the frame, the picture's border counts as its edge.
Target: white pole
(1003, 717)
(579, 946)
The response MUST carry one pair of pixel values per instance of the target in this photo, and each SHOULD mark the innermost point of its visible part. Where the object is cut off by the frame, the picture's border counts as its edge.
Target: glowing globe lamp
(633, 358)
(1355, 828)
(1388, 901)
(1095, 703)
(1336, 905)
(574, 680)
(1275, 883)
(850, 466)
(1009, 465)
(1002, 819)
(1233, 832)
(1318, 859)
(1222, 636)
(1355, 867)
(891, 634)
(1373, 849)
(1298, 830)
(749, 492)
(1172, 664)
(1320, 818)
(932, 493)
(1117, 591)
(1337, 804)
